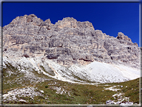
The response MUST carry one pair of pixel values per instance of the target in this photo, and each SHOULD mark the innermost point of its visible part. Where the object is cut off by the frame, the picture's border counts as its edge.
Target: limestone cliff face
(67, 42)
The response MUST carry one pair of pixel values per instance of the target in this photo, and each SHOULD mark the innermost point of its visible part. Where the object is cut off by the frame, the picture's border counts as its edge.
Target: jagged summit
(67, 42)
(122, 36)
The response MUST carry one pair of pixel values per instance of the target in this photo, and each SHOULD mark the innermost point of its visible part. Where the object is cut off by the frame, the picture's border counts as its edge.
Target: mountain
(69, 50)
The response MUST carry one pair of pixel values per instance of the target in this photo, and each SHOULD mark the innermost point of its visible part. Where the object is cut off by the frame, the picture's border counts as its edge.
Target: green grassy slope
(69, 93)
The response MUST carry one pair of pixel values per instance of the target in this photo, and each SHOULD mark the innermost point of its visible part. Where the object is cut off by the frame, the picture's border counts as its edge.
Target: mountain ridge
(67, 62)
(68, 41)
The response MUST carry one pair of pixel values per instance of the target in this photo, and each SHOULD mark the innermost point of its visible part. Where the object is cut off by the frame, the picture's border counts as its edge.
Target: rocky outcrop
(122, 36)
(67, 42)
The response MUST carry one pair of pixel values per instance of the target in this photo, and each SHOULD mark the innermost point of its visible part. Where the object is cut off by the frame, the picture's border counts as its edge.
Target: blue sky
(111, 18)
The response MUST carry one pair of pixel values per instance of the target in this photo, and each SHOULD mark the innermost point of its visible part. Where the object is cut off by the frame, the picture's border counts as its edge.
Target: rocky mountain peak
(26, 19)
(70, 22)
(48, 21)
(66, 58)
(67, 42)
(123, 37)
(69, 19)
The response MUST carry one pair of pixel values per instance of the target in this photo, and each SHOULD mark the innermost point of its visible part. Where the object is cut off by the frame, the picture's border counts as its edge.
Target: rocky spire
(70, 22)
(122, 36)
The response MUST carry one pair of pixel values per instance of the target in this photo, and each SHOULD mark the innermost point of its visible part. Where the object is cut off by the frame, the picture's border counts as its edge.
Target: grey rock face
(68, 41)
(122, 36)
